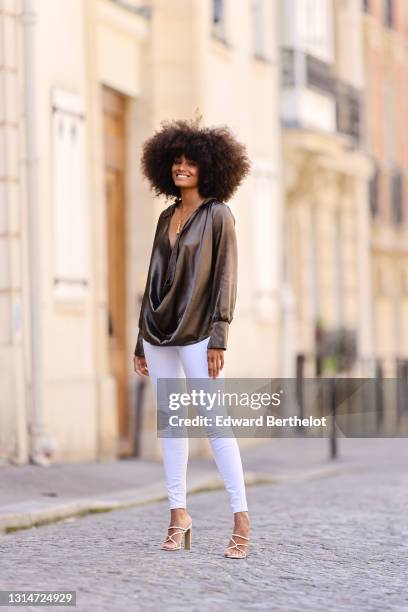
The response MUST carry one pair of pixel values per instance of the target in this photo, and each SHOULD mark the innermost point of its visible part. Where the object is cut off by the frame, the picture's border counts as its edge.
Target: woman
(190, 295)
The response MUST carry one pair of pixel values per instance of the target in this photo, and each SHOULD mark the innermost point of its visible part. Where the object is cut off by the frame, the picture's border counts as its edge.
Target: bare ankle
(178, 514)
(241, 519)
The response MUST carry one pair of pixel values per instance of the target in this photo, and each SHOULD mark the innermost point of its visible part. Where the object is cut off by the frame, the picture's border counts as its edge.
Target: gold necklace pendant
(179, 225)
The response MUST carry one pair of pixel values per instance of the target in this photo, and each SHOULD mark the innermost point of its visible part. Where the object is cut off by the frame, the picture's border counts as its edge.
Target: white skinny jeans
(191, 361)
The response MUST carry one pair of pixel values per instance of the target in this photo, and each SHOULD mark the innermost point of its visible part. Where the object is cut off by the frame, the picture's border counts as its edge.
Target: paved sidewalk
(33, 495)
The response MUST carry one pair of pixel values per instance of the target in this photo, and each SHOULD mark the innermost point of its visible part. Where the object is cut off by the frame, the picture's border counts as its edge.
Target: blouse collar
(169, 210)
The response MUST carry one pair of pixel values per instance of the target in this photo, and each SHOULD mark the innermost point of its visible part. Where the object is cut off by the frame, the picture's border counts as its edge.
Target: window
(316, 20)
(397, 198)
(218, 19)
(71, 272)
(218, 11)
(389, 122)
(258, 32)
(348, 110)
(389, 13)
(374, 192)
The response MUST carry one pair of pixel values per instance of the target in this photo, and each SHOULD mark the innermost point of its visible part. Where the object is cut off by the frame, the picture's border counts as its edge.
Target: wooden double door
(114, 126)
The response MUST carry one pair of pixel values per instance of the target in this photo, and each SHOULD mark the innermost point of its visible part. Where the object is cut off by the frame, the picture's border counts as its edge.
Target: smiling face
(185, 172)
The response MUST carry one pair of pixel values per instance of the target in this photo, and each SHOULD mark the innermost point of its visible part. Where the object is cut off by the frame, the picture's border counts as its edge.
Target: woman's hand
(215, 359)
(140, 366)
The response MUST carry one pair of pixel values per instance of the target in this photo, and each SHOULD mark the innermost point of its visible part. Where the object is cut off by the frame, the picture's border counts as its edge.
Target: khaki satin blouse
(191, 288)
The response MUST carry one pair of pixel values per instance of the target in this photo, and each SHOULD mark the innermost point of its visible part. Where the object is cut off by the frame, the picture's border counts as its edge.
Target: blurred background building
(386, 68)
(315, 88)
(327, 177)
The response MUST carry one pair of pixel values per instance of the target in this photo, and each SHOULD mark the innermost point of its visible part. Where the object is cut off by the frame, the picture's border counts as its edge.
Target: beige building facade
(386, 64)
(327, 180)
(83, 84)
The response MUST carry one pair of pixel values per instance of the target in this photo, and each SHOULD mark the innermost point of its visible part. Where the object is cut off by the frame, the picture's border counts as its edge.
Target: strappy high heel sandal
(236, 547)
(186, 531)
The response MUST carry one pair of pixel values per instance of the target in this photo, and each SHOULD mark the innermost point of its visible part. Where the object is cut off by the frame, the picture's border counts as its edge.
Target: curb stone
(40, 512)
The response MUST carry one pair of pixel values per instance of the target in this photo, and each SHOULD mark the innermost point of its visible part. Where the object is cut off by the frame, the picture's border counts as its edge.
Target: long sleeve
(139, 351)
(225, 272)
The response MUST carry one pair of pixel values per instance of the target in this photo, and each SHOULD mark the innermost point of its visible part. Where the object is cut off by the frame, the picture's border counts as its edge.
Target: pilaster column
(13, 425)
(365, 340)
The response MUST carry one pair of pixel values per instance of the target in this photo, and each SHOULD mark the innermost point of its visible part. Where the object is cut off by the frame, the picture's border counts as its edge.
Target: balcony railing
(302, 70)
(319, 75)
(348, 110)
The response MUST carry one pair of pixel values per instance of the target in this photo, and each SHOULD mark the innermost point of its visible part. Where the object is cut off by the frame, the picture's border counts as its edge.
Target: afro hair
(222, 160)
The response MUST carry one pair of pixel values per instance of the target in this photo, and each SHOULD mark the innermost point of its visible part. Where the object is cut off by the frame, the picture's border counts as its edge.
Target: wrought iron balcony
(304, 70)
(301, 70)
(348, 110)
(319, 75)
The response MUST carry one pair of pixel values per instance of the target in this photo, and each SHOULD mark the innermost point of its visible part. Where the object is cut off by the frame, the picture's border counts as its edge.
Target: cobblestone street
(337, 543)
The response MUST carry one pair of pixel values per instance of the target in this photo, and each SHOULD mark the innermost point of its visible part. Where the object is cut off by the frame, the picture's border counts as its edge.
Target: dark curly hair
(222, 160)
